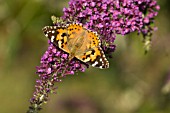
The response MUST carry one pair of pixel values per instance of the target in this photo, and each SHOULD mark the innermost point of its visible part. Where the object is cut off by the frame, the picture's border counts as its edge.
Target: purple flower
(106, 17)
(54, 65)
(111, 17)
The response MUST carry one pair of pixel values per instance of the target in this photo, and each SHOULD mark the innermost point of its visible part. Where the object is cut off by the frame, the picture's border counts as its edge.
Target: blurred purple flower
(106, 17)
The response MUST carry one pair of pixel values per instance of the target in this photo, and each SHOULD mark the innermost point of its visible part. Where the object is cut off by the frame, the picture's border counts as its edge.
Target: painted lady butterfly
(79, 42)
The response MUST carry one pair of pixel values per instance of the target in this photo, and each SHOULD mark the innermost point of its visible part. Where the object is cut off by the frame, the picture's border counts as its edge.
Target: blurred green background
(134, 83)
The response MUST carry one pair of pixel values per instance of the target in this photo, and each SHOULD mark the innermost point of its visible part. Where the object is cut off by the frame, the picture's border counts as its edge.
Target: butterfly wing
(93, 53)
(58, 36)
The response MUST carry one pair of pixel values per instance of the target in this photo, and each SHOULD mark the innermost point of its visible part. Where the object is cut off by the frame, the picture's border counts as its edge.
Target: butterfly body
(79, 42)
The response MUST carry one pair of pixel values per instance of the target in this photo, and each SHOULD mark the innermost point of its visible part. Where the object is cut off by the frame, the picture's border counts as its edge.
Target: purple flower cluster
(53, 67)
(107, 18)
(111, 17)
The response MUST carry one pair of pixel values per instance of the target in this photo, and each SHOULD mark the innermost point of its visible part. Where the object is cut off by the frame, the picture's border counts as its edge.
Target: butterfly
(78, 42)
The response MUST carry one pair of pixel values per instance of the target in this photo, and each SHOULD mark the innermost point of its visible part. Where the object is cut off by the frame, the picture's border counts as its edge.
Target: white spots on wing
(52, 38)
(45, 28)
(67, 25)
(46, 35)
(101, 67)
(50, 32)
(53, 31)
(55, 27)
(99, 42)
(95, 63)
(101, 60)
(80, 24)
(73, 23)
(107, 65)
